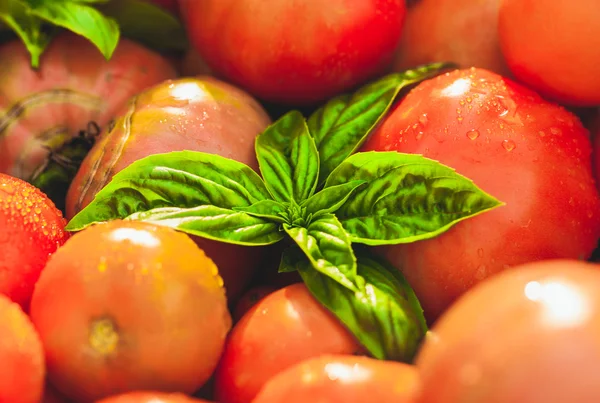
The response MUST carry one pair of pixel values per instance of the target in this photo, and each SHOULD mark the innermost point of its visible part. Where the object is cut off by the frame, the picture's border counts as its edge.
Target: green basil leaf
(330, 199)
(379, 314)
(183, 179)
(288, 158)
(407, 198)
(269, 209)
(342, 125)
(148, 24)
(215, 223)
(15, 14)
(327, 247)
(82, 19)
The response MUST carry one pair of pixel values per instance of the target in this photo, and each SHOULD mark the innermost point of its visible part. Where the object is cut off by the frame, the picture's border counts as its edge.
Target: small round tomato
(340, 378)
(471, 25)
(295, 52)
(126, 306)
(151, 397)
(31, 229)
(554, 47)
(21, 356)
(528, 335)
(530, 154)
(282, 329)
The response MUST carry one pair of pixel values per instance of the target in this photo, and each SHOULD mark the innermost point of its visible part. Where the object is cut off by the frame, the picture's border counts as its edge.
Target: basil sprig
(320, 194)
(100, 21)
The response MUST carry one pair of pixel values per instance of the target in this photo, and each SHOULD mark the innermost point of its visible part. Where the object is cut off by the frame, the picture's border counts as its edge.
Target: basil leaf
(288, 158)
(215, 223)
(327, 247)
(407, 198)
(330, 199)
(16, 16)
(82, 19)
(148, 24)
(270, 209)
(342, 125)
(184, 179)
(379, 314)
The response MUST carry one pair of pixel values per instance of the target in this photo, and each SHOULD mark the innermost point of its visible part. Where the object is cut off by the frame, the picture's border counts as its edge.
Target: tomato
(31, 229)
(198, 114)
(151, 397)
(460, 31)
(250, 298)
(127, 306)
(281, 330)
(530, 154)
(527, 335)
(49, 117)
(554, 47)
(295, 52)
(339, 378)
(21, 354)
(596, 153)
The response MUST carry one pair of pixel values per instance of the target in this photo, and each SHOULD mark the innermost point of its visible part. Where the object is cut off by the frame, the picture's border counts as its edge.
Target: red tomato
(31, 229)
(127, 306)
(251, 298)
(296, 52)
(528, 335)
(21, 356)
(554, 47)
(282, 329)
(460, 31)
(339, 378)
(530, 154)
(596, 153)
(151, 397)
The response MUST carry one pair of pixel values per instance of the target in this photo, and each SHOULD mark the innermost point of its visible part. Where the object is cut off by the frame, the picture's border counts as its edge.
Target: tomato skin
(339, 378)
(151, 397)
(299, 52)
(472, 26)
(281, 330)
(532, 155)
(596, 153)
(559, 56)
(31, 229)
(122, 307)
(21, 354)
(527, 335)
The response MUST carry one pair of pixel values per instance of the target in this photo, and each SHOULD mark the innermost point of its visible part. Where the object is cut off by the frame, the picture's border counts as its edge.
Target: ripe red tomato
(151, 397)
(460, 31)
(528, 335)
(127, 306)
(295, 52)
(21, 356)
(31, 229)
(340, 378)
(532, 155)
(282, 329)
(554, 47)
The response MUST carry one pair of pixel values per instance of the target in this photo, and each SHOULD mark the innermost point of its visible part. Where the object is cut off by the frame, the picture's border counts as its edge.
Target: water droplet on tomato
(556, 131)
(473, 134)
(542, 133)
(508, 145)
(423, 119)
(459, 119)
(481, 272)
(419, 136)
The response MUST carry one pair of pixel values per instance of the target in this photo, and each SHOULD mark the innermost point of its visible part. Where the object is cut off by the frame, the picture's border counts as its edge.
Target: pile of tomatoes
(129, 311)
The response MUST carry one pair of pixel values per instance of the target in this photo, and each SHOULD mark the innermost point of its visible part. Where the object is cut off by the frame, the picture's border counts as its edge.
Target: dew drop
(459, 119)
(473, 134)
(556, 131)
(542, 133)
(508, 145)
(423, 119)
(419, 136)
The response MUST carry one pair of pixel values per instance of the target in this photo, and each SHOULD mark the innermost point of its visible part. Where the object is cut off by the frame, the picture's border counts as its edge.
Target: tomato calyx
(104, 336)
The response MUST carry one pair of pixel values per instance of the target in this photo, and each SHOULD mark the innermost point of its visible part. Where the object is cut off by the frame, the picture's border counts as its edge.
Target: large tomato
(297, 52)
(529, 335)
(31, 229)
(22, 368)
(530, 154)
(554, 47)
(127, 306)
(282, 329)
(342, 378)
(199, 114)
(460, 31)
